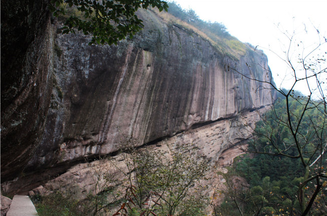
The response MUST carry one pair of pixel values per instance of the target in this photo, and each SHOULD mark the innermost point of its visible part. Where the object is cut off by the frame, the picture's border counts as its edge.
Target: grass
(230, 46)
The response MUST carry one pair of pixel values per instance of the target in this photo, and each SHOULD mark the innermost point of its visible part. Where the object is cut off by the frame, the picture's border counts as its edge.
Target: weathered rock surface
(26, 81)
(209, 140)
(79, 102)
(5, 205)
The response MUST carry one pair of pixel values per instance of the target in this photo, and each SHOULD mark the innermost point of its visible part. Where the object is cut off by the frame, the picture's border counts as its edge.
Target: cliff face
(26, 81)
(165, 81)
(208, 140)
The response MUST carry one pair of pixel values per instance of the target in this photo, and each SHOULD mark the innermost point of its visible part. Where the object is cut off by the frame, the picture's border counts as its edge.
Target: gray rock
(5, 205)
(72, 102)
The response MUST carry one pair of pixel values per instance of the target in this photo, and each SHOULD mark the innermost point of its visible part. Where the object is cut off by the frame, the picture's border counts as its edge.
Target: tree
(295, 128)
(236, 195)
(108, 21)
(164, 183)
(191, 17)
(146, 181)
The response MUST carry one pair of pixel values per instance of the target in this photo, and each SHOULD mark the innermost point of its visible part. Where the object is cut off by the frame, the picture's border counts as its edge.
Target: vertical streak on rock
(225, 99)
(152, 96)
(217, 93)
(208, 89)
(21, 98)
(196, 91)
(147, 71)
(214, 95)
(106, 123)
(218, 87)
(130, 87)
(190, 96)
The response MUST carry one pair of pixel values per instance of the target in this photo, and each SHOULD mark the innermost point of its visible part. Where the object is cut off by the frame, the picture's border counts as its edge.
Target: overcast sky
(261, 22)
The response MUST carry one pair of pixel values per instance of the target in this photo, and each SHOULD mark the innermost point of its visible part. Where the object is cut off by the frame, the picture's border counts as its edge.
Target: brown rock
(83, 102)
(216, 140)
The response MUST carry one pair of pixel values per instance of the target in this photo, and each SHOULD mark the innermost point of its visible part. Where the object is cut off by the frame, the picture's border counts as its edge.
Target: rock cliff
(26, 81)
(65, 101)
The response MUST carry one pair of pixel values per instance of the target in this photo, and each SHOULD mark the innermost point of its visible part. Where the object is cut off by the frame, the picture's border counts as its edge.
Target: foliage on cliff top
(108, 21)
(216, 33)
(112, 21)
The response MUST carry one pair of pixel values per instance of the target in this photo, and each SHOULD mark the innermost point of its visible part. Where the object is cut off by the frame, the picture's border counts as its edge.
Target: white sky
(256, 22)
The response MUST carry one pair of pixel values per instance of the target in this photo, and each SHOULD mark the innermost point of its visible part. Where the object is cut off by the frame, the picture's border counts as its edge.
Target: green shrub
(56, 204)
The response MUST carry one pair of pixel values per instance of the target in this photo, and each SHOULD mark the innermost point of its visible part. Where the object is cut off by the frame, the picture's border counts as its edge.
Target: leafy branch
(108, 21)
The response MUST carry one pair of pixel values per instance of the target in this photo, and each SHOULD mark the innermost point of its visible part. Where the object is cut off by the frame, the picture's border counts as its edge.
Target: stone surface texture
(217, 141)
(26, 81)
(68, 102)
(5, 205)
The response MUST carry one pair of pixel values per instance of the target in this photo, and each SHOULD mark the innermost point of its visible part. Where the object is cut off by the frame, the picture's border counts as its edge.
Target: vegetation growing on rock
(152, 182)
(107, 21)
